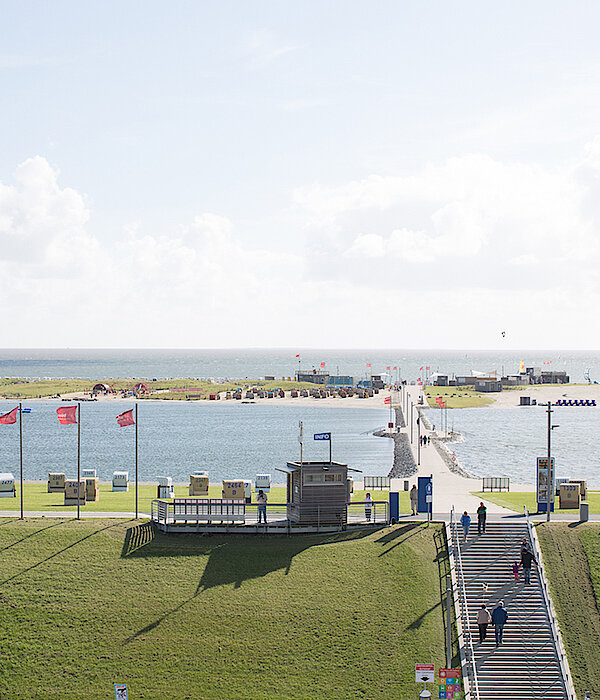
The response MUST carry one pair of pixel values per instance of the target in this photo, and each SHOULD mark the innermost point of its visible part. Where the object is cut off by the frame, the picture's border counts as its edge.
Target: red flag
(297, 355)
(388, 400)
(426, 367)
(393, 368)
(67, 415)
(322, 364)
(420, 368)
(387, 367)
(126, 418)
(443, 404)
(368, 364)
(10, 417)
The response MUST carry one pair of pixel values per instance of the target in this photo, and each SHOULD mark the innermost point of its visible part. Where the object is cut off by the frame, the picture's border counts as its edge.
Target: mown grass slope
(90, 603)
(572, 561)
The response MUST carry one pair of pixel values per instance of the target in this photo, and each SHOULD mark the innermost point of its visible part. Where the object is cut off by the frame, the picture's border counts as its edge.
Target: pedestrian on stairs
(499, 618)
(527, 559)
(465, 521)
(481, 516)
(483, 620)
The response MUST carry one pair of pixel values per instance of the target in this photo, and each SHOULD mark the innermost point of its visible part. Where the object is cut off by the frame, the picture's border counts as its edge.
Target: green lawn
(456, 397)
(89, 603)
(515, 500)
(572, 560)
(36, 498)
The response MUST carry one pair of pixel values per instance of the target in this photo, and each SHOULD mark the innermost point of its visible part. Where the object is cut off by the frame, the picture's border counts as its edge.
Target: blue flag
(322, 436)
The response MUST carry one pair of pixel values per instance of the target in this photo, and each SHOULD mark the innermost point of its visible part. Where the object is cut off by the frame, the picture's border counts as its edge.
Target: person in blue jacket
(465, 521)
(499, 618)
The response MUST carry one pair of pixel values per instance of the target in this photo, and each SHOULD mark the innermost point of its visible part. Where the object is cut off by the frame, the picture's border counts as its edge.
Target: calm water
(256, 363)
(507, 441)
(175, 438)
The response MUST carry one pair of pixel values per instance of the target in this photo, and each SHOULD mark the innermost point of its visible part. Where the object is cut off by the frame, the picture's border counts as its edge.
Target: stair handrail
(467, 649)
(554, 626)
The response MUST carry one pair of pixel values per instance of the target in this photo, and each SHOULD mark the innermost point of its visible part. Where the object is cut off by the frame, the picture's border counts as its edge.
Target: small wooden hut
(317, 492)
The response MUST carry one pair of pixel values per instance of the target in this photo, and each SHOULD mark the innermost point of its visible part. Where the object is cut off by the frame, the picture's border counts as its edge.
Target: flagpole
(78, 458)
(330, 441)
(21, 452)
(136, 461)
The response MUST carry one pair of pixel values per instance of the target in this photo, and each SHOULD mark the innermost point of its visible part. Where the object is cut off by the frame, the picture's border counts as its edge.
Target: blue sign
(424, 492)
(322, 436)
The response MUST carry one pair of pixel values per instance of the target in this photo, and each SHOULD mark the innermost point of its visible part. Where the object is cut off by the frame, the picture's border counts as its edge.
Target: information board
(120, 691)
(450, 684)
(545, 481)
(424, 673)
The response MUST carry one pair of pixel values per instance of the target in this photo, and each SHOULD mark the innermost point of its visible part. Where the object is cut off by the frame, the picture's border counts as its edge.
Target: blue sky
(383, 156)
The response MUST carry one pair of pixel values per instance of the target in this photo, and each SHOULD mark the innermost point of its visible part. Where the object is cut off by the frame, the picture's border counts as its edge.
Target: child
(515, 568)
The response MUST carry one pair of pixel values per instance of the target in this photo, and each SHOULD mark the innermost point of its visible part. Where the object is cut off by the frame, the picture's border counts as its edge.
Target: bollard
(424, 695)
(584, 512)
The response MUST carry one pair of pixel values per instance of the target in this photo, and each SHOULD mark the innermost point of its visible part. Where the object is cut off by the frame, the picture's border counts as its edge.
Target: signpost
(424, 673)
(120, 691)
(545, 484)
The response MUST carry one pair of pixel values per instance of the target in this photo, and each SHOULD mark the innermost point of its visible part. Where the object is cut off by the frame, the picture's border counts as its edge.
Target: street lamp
(550, 487)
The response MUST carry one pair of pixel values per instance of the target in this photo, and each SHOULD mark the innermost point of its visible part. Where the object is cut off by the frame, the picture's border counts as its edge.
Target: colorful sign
(545, 481)
(120, 691)
(424, 673)
(450, 684)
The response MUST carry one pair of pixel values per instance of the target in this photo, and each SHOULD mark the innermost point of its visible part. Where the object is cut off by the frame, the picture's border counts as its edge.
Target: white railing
(556, 635)
(463, 624)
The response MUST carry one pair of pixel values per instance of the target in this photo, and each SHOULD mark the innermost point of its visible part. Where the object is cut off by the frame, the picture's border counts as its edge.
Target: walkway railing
(556, 635)
(463, 623)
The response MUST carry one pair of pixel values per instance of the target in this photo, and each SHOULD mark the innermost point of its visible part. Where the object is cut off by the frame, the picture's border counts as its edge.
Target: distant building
(340, 382)
(488, 385)
(316, 376)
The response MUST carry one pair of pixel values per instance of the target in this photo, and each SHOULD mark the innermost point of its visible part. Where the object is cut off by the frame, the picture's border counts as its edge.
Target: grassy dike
(572, 560)
(90, 603)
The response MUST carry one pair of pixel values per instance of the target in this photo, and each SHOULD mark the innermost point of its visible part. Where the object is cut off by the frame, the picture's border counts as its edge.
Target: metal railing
(463, 623)
(554, 627)
(495, 483)
(208, 510)
(376, 482)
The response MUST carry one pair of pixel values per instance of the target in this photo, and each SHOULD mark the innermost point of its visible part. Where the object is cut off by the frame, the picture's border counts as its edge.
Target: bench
(496, 483)
(376, 482)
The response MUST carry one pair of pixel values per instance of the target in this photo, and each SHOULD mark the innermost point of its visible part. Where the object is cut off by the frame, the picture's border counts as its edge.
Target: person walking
(261, 500)
(483, 620)
(465, 521)
(527, 559)
(481, 517)
(499, 618)
(368, 507)
(414, 499)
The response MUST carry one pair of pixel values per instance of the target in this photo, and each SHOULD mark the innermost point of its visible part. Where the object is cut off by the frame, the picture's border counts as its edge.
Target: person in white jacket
(483, 620)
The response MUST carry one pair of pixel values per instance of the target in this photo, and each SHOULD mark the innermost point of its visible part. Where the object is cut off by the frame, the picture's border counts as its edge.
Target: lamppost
(411, 421)
(550, 488)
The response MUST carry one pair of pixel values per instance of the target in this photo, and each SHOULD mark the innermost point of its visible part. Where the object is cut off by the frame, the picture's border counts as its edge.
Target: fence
(495, 483)
(376, 482)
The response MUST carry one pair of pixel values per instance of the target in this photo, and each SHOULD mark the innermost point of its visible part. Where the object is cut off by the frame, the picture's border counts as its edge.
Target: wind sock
(67, 415)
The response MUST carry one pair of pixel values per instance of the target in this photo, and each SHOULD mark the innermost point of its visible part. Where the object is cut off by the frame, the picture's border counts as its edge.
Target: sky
(312, 174)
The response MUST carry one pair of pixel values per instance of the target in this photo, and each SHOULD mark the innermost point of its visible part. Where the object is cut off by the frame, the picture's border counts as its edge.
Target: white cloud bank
(445, 257)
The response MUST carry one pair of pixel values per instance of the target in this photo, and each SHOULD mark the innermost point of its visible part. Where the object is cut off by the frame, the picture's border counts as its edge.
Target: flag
(388, 400)
(426, 367)
(368, 364)
(393, 368)
(297, 355)
(10, 417)
(387, 367)
(67, 415)
(322, 364)
(126, 418)
(420, 368)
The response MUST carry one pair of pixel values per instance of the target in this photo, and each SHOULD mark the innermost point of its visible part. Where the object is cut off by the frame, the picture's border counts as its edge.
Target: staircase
(526, 665)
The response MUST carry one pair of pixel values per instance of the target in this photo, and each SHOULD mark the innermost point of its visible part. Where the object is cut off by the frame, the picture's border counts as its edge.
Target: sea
(240, 440)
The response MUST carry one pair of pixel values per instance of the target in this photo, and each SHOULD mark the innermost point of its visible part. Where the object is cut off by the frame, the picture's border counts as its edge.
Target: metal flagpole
(21, 452)
(136, 461)
(78, 457)
(330, 441)
(419, 440)
(300, 438)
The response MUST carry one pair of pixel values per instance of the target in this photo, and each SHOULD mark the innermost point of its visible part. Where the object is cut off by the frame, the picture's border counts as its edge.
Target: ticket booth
(56, 482)
(317, 492)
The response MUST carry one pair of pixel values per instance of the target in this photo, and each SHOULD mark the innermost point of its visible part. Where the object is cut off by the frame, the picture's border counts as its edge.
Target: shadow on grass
(60, 551)
(231, 559)
(31, 534)
(398, 535)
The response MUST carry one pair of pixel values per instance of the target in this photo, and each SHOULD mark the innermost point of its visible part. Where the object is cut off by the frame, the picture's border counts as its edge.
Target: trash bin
(394, 507)
(584, 512)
